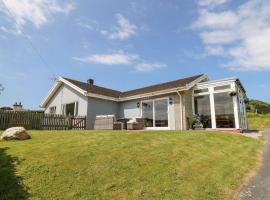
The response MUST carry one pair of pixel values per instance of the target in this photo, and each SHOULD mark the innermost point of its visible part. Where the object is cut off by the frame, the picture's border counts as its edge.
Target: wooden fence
(40, 121)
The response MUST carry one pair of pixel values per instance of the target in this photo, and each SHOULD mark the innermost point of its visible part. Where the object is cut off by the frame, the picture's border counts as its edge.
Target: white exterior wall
(65, 95)
(129, 109)
(90, 107)
(172, 114)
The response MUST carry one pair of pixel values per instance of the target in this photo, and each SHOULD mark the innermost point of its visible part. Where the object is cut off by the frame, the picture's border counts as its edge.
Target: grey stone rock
(15, 133)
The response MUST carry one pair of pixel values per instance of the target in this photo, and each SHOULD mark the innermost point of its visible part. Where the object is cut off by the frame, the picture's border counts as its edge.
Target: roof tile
(116, 94)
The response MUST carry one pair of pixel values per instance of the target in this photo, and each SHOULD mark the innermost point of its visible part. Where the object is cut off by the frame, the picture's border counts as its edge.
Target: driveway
(259, 186)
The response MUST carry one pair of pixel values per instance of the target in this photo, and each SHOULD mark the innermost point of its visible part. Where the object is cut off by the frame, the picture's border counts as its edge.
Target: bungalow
(164, 106)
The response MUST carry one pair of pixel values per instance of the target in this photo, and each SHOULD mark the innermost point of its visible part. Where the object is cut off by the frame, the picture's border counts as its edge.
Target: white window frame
(211, 93)
(54, 110)
(168, 110)
(76, 108)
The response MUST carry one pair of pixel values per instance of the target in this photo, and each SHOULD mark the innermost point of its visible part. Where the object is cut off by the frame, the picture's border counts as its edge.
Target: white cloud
(242, 34)
(6, 30)
(89, 24)
(215, 50)
(36, 12)
(218, 37)
(147, 67)
(119, 58)
(211, 2)
(216, 20)
(124, 30)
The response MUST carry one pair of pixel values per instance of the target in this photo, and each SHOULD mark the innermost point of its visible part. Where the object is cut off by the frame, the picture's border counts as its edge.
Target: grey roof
(117, 94)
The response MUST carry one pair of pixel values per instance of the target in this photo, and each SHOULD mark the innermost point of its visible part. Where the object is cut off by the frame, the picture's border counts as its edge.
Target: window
(224, 110)
(200, 91)
(52, 110)
(155, 113)
(223, 87)
(147, 113)
(70, 109)
(202, 108)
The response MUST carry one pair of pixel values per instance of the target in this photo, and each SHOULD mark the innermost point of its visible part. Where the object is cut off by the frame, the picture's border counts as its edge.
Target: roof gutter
(151, 94)
(184, 88)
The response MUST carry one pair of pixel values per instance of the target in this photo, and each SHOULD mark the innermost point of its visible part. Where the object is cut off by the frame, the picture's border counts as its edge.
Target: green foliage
(191, 121)
(258, 121)
(126, 165)
(257, 106)
(32, 111)
(197, 121)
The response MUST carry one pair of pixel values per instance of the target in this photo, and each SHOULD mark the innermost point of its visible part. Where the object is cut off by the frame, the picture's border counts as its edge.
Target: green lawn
(126, 165)
(258, 121)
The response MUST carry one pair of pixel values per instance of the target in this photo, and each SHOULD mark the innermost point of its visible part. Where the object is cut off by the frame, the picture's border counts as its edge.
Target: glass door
(161, 113)
(155, 113)
(147, 113)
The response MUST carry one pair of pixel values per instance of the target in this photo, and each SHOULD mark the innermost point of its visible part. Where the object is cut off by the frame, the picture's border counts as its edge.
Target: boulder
(15, 133)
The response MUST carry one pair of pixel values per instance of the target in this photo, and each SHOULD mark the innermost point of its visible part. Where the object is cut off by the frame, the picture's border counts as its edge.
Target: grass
(126, 165)
(258, 121)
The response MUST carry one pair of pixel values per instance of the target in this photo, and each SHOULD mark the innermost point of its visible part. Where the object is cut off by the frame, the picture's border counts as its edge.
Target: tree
(1, 88)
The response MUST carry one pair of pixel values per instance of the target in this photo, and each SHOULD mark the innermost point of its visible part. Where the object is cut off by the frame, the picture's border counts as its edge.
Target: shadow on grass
(11, 186)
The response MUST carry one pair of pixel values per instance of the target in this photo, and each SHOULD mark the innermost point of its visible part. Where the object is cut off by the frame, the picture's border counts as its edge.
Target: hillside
(256, 106)
(126, 165)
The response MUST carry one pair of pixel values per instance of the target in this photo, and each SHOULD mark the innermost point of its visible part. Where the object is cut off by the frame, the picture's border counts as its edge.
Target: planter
(198, 127)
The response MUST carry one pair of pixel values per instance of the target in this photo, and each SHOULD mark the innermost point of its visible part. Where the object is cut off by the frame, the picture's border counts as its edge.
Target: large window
(70, 109)
(155, 113)
(202, 108)
(224, 110)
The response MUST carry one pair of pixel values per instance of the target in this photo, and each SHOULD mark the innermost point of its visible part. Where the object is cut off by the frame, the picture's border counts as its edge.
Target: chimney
(17, 106)
(90, 82)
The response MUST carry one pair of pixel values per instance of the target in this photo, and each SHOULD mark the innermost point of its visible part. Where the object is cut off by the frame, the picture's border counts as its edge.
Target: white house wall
(129, 109)
(100, 107)
(171, 111)
(65, 95)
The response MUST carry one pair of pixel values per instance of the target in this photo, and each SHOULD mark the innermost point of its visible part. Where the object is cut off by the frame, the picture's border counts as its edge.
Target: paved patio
(253, 134)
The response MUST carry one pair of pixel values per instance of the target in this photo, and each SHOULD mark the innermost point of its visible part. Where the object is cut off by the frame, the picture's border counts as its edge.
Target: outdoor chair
(135, 124)
(107, 122)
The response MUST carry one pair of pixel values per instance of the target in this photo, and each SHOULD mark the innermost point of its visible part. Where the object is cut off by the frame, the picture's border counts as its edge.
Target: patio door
(148, 113)
(155, 113)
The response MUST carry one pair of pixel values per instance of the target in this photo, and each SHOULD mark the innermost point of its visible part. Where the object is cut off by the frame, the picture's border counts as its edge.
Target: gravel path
(259, 186)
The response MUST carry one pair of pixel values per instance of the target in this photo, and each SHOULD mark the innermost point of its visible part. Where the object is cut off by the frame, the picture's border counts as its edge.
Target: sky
(129, 44)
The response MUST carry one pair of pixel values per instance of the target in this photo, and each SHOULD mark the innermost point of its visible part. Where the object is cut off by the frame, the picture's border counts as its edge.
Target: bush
(257, 106)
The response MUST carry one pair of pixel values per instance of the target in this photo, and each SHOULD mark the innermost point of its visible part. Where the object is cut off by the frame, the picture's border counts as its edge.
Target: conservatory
(221, 103)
